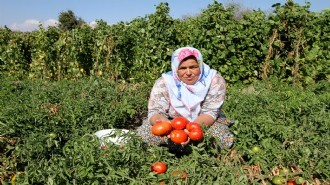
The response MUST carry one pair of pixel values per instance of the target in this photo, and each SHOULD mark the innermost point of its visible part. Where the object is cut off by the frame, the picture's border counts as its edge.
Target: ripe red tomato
(291, 182)
(52, 135)
(180, 174)
(178, 136)
(161, 128)
(179, 123)
(196, 135)
(103, 146)
(192, 126)
(159, 167)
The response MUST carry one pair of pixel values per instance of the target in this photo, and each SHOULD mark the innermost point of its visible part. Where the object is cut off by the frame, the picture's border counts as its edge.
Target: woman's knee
(222, 133)
(144, 131)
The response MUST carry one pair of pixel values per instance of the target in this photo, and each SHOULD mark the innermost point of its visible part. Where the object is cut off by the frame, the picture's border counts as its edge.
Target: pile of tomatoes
(179, 130)
(160, 167)
(285, 173)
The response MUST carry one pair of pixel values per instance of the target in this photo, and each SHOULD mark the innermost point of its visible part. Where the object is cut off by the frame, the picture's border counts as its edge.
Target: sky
(26, 15)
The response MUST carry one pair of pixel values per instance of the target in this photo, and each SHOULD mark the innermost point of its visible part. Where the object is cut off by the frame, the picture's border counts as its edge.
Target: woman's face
(189, 71)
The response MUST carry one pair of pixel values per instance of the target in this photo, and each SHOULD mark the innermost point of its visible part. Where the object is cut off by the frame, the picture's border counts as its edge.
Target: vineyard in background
(292, 44)
(57, 88)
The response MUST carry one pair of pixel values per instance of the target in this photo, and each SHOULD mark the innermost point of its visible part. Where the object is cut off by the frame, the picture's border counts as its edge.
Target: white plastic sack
(116, 136)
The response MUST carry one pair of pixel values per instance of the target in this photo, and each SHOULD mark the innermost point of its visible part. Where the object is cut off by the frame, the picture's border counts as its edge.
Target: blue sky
(25, 15)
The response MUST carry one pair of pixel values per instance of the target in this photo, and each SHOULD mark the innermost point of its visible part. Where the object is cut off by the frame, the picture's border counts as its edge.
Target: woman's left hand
(185, 143)
(188, 140)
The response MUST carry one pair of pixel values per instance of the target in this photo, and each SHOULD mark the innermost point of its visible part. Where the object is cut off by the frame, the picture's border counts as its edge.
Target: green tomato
(52, 135)
(284, 171)
(306, 151)
(300, 180)
(255, 149)
(278, 180)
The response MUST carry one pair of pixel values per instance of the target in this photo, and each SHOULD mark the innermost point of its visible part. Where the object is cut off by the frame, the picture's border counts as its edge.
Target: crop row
(47, 135)
(292, 44)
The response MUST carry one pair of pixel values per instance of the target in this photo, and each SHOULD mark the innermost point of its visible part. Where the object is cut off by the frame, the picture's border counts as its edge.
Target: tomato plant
(178, 136)
(161, 128)
(196, 135)
(104, 147)
(300, 180)
(191, 126)
(180, 174)
(159, 167)
(284, 171)
(291, 182)
(179, 123)
(52, 135)
(13, 179)
(255, 149)
(278, 180)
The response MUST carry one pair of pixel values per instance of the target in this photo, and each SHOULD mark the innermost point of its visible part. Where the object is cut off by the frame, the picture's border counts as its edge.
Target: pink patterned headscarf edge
(182, 53)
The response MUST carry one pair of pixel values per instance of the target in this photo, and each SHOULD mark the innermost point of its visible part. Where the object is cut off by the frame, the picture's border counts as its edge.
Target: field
(58, 87)
(47, 135)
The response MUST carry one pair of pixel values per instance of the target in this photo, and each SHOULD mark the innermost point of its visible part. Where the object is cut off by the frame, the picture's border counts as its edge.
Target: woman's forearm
(157, 117)
(204, 119)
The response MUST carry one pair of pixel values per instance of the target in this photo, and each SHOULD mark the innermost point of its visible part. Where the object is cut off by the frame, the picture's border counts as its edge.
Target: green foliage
(46, 134)
(291, 44)
(15, 52)
(84, 79)
(289, 123)
(68, 20)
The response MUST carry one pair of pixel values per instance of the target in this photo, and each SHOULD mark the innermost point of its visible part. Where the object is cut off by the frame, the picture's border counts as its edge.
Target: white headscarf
(186, 99)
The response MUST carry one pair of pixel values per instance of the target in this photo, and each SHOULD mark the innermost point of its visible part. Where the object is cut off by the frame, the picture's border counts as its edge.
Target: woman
(191, 90)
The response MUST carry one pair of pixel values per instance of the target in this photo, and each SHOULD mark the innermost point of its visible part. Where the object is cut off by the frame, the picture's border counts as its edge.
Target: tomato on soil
(52, 135)
(161, 128)
(256, 149)
(179, 123)
(278, 180)
(178, 136)
(159, 167)
(291, 182)
(196, 135)
(103, 146)
(180, 174)
(300, 180)
(192, 126)
(284, 171)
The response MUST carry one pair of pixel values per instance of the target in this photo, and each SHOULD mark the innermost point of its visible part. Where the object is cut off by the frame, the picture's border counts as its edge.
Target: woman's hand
(183, 143)
(204, 119)
(188, 140)
(157, 118)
